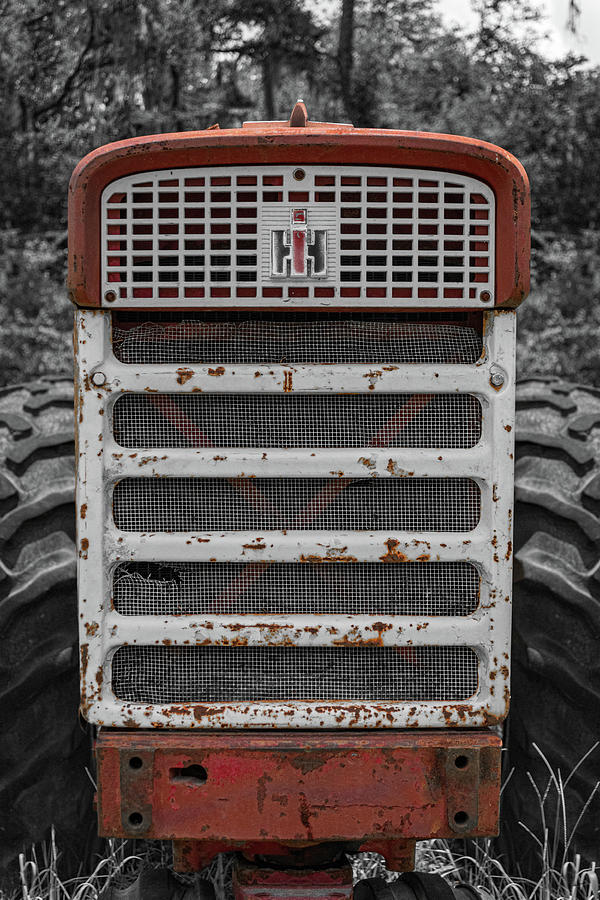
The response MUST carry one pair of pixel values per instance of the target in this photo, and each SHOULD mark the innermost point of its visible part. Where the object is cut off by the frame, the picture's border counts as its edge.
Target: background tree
(75, 74)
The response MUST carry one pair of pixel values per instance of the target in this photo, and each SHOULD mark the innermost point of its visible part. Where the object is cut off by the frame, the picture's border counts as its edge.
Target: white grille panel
(319, 588)
(299, 338)
(297, 420)
(336, 504)
(202, 235)
(222, 674)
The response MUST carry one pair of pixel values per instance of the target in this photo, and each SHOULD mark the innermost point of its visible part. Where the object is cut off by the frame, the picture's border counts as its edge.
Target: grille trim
(212, 674)
(327, 588)
(297, 420)
(333, 504)
(197, 235)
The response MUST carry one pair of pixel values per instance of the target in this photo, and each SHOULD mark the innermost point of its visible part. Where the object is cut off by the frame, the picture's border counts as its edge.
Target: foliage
(75, 74)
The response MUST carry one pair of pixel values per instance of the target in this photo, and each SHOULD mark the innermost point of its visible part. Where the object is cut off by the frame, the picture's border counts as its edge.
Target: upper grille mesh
(315, 588)
(218, 504)
(297, 420)
(361, 673)
(266, 338)
(204, 234)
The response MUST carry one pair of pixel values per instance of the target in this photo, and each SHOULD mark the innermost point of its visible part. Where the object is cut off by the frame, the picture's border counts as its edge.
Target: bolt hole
(461, 762)
(299, 174)
(135, 819)
(190, 774)
(461, 817)
(136, 762)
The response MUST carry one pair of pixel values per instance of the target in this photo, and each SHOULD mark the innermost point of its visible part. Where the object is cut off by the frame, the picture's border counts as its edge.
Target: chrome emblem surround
(298, 251)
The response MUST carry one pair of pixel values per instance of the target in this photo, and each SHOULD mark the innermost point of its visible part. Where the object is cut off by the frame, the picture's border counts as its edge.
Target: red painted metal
(299, 242)
(260, 791)
(256, 883)
(276, 143)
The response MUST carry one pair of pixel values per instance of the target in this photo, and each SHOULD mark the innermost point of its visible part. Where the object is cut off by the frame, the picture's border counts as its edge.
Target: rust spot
(83, 553)
(83, 510)
(91, 628)
(217, 458)
(397, 472)
(258, 374)
(508, 551)
(184, 375)
(287, 382)
(203, 540)
(334, 554)
(367, 461)
(201, 711)
(256, 546)
(508, 427)
(84, 655)
(220, 370)
(393, 555)
(130, 723)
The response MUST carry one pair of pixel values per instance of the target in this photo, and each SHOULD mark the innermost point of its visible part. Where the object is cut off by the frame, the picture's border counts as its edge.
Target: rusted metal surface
(259, 791)
(101, 463)
(279, 144)
(259, 883)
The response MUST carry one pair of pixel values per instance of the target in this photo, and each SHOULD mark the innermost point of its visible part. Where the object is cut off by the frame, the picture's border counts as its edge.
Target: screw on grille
(98, 379)
(110, 296)
(496, 379)
(485, 296)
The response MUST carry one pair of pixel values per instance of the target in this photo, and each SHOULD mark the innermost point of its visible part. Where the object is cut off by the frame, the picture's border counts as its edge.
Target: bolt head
(497, 379)
(98, 379)
(485, 296)
(110, 296)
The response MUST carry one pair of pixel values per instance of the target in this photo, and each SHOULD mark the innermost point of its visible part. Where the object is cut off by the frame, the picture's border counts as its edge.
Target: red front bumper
(259, 792)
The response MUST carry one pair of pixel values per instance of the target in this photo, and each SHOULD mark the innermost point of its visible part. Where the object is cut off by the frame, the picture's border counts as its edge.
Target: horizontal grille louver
(315, 588)
(148, 674)
(297, 420)
(240, 504)
(299, 339)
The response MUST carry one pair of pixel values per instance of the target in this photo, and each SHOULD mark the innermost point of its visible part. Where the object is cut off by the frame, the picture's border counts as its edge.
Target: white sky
(586, 42)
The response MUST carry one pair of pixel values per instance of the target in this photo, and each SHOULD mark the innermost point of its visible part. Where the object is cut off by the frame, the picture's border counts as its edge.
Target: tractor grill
(200, 235)
(234, 674)
(337, 504)
(256, 338)
(304, 477)
(297, 420)
(308, 588)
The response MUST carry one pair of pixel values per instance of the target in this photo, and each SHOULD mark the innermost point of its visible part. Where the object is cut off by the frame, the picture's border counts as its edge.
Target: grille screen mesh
(297, 420)
(229, 674)
(267, 338)
(240, 504)
(419, 589)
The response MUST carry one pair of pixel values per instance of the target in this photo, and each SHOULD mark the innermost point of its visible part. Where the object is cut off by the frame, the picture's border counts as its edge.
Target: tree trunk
(268, 77)
(345, 55)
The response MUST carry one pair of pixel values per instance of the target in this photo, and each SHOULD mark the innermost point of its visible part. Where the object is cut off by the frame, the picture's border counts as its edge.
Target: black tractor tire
(44, 747)
(555, 704)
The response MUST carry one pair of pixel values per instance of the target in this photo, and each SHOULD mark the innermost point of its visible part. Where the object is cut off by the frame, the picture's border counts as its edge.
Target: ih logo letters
(298, 251)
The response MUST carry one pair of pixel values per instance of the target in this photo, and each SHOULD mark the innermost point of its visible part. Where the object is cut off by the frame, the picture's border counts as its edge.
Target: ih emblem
(298, 251)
